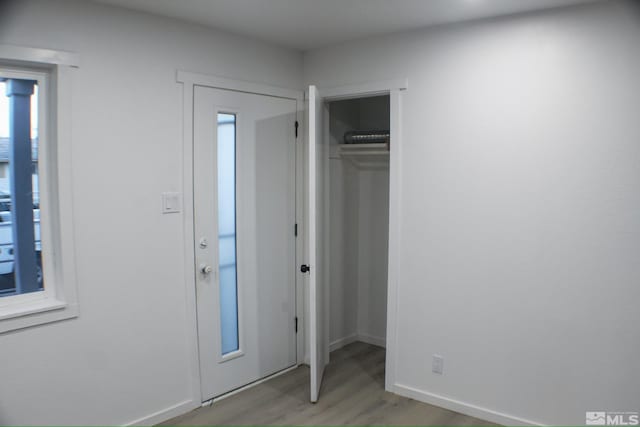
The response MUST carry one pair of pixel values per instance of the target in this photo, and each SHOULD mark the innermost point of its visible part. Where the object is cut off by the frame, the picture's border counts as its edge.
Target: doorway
(244, 210)
(358, 194)
(323, 148)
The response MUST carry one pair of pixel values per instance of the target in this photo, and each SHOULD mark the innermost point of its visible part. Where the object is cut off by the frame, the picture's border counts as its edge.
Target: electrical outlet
(437, 364)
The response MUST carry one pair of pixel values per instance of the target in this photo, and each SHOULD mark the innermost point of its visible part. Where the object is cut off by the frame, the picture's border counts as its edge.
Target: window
(20, 245)
(37, 277)
(227, 232)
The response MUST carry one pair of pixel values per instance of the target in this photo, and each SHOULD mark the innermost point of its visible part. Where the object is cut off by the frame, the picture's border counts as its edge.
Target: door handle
(304, 268)
(205, 269)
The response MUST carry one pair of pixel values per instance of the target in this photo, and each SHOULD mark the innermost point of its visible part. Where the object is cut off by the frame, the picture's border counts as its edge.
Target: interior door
(244, 216)
(316, 167)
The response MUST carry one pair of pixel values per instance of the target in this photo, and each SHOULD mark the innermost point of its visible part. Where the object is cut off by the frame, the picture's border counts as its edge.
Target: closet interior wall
(359, 227)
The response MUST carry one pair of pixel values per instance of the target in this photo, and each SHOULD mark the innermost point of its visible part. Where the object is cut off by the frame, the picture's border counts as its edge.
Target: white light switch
(171, 203)
(437, 365)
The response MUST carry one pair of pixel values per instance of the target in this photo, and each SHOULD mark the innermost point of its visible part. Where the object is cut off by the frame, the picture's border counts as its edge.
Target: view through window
(20, 248)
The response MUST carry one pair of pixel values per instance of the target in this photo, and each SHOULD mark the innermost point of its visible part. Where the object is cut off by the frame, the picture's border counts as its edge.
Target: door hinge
(295, 230)
(297, 128)
(296, 324)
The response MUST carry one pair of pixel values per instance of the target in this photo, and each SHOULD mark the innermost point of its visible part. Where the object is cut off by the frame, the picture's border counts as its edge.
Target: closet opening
(358, 216)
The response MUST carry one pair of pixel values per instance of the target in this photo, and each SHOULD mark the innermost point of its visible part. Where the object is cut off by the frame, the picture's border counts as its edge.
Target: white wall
(126, 356)
(359, 252)
(520, 209)
(343, 241)
(343, 229)
(373, 254)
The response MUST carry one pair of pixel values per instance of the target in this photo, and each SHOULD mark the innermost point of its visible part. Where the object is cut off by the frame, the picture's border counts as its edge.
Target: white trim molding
(189, 81)
(53, 70)
(462, 407)
(370, 339)
(395, 233)
(165, 414)
(349, 339)
(39, 56)
(395, 88)
(360, 90)
(342, 342)
(196, 79)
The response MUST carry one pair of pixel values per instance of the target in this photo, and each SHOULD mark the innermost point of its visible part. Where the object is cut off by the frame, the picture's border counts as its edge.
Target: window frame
(58, 301)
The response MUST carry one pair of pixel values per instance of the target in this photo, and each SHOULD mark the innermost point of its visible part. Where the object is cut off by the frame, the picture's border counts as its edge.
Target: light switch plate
(171, 202)
(437, 365)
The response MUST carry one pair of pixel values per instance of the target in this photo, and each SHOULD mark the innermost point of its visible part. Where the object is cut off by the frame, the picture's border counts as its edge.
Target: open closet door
(317, 281)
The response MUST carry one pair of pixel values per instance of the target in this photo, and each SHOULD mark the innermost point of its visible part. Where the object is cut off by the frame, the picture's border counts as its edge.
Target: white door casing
(317, 147)
(189, 81)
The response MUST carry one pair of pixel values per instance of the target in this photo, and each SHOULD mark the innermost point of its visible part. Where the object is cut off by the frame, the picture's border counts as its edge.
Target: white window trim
(59, 300)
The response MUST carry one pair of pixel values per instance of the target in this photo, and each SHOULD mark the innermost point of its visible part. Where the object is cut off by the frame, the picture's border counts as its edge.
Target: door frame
(395, 88)
(189, 81)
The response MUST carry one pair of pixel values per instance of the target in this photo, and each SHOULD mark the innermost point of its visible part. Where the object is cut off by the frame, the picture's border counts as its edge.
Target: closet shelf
(377, 149)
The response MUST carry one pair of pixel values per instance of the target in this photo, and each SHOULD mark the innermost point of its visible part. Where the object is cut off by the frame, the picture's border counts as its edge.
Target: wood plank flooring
(352, 394)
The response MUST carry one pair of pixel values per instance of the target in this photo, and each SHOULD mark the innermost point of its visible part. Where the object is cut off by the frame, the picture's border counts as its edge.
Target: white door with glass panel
(244, 207)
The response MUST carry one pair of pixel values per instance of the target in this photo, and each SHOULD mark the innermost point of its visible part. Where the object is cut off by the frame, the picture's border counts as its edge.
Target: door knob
(206, 269)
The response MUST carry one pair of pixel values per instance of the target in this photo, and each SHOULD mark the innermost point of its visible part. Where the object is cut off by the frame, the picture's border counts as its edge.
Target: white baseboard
(462, 407)
(165, 414)
(370, 339)
(341, 342)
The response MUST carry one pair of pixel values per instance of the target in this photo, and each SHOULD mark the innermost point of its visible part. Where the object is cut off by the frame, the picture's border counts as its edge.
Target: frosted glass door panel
(227, 232)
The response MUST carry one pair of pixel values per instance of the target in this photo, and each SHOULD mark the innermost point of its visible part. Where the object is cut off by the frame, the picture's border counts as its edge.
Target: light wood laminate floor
(352, 393)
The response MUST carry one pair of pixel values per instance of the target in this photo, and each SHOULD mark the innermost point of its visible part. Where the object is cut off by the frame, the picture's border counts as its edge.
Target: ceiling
(308, 24)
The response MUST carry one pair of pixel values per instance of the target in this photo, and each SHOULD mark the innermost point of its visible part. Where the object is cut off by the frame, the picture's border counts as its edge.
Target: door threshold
(248, 386)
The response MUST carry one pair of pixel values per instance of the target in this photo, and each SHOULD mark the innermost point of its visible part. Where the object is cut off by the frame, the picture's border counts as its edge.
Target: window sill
(24, 315)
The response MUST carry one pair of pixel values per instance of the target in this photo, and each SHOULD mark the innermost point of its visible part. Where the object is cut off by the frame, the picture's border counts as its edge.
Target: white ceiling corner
(309, 24)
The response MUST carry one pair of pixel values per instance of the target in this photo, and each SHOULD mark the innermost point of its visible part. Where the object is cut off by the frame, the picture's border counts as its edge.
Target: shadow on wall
(273, 210)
